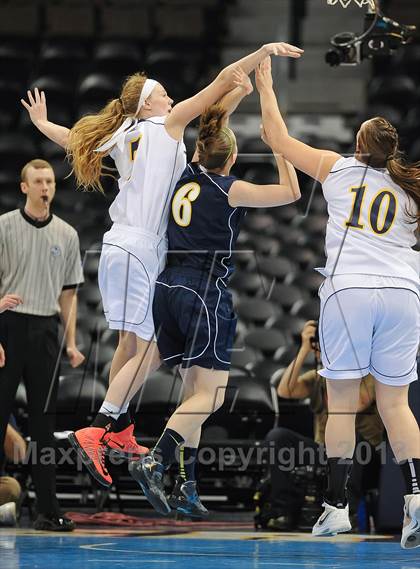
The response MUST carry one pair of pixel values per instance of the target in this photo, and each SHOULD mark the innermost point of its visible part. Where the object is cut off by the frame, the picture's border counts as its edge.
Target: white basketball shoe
(332, 521)
(411, 529)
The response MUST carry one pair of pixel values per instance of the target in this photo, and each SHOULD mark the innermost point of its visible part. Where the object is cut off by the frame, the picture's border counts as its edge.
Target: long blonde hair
(92, 131)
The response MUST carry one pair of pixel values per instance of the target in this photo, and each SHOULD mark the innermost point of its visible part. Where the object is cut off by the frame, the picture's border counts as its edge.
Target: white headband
(146, 92)
(117, 139)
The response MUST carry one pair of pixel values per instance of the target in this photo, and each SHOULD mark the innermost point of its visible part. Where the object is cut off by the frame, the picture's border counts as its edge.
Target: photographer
(285, 499)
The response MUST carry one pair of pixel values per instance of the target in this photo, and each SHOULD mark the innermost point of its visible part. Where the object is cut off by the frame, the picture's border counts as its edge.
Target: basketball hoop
(346, 3)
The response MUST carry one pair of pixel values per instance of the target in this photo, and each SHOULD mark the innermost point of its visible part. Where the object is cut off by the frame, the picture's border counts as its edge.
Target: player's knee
(128, 344)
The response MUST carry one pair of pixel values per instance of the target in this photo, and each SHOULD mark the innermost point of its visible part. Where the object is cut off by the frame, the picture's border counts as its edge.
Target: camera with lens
(381, 36)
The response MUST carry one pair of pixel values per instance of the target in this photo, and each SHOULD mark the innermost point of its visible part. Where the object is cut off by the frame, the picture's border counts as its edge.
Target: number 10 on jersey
(382, 210)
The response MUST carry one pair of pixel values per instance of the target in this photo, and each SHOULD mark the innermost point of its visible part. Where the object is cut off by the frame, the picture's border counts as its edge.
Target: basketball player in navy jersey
(192, 308)
(370, 309)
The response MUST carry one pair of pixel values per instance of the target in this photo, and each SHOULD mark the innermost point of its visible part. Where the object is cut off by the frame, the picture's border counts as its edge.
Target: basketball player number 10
(375, 209)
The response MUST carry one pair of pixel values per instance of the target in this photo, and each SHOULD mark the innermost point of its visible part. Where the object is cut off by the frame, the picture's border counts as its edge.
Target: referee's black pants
(32, 354)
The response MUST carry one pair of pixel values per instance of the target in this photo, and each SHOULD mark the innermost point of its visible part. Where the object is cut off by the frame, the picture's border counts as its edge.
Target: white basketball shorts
(369, 324)
(130, 263)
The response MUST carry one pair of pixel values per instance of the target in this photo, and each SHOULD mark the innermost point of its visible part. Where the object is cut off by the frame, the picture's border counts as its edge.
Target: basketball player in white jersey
(144, 136)
(370, 311)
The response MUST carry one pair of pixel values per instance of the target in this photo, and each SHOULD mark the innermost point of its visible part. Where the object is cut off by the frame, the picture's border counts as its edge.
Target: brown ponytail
(378, 146)
(216, 143)
(92, 131)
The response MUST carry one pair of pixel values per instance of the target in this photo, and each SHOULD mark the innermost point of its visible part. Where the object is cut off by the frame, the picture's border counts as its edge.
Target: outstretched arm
(37, 109)
(246, 194)
(314, 162)
(186, 111)
(232, 99)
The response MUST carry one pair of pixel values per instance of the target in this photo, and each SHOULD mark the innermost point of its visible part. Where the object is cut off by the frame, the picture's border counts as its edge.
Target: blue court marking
(250, 552)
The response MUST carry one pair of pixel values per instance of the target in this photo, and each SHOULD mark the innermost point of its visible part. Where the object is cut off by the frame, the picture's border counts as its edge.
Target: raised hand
(9, 302)
(37, 106)
(242, 80)
(263, 76)
(283, 49)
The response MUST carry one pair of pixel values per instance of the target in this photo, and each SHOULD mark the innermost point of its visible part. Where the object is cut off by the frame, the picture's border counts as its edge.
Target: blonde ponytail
(92, 131)
(216, 143)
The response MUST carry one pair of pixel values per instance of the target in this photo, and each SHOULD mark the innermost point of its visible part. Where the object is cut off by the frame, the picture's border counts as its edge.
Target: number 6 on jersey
(182, 203)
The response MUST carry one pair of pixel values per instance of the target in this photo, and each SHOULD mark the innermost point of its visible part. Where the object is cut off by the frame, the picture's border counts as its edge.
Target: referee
(40, 269)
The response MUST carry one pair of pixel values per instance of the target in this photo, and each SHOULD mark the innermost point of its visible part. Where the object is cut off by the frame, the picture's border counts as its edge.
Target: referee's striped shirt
(38, 260)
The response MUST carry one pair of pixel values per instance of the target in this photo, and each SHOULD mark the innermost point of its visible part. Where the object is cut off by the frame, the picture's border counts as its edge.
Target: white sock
(111, 410)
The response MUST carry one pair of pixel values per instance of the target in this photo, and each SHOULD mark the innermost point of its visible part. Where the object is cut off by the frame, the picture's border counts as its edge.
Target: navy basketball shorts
(194, 319)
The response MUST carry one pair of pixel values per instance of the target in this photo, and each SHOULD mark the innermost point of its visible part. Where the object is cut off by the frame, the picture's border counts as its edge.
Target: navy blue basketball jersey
(203, 227)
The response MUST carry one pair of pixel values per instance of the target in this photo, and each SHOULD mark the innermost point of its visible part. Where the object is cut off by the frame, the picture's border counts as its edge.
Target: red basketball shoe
(90, 446)
(124, 444)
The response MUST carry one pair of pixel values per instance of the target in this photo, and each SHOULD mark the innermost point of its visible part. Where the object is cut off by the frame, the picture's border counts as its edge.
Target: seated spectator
(10, 491)
(285, 499)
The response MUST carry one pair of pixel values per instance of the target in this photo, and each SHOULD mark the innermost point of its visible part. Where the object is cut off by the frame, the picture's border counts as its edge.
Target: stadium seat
(98, 88)
(59, 91)
(126, 19)
(256, 311)
(244, 357)
(270, 342)
(267, 246)
(286, 213)
(310, 310)
(310, 281)
(303, 256)
(14, 62)
(90, 267)
(79, 397)
(156, 401)
(278, 268)
(252, 284)
(393, 114)
(414, 152)
(90, 295)
(171, 18)
(291, 235)
(10, 94)
(250, 408)
(264, 173)
(254, 150)
(70, 19)
(15, 151)
(267, 370)
(100, 355)
(97, 326)
(58, 57)
(117, 58)
(400, 90)
(314, 224)
(289, 297)
(289, 324)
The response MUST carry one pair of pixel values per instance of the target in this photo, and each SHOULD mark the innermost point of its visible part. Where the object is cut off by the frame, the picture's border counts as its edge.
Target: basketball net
(346, 3)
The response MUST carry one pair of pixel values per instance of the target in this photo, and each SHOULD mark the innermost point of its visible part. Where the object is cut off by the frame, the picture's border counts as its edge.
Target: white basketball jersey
(369, 230)
(149, 164)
